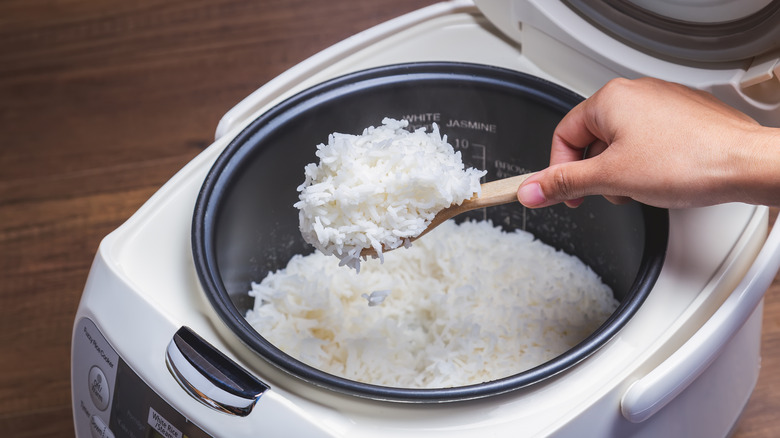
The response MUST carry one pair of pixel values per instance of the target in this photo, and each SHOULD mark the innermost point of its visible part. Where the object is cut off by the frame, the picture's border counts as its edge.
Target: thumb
(565, 182)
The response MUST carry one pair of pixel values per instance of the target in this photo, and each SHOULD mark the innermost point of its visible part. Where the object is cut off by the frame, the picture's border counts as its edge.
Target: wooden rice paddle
(498, 192)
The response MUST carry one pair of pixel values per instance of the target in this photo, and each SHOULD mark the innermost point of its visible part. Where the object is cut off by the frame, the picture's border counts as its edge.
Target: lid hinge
(762, 69)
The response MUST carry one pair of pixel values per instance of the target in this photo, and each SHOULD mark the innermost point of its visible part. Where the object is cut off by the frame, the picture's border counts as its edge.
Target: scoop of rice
(467, 304)
(379, 189)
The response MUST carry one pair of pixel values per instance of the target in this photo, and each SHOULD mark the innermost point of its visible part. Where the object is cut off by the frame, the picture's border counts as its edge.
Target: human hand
(659, 143)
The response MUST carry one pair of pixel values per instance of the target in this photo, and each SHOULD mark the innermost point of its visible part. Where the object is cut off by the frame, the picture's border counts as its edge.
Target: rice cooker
(160, 344)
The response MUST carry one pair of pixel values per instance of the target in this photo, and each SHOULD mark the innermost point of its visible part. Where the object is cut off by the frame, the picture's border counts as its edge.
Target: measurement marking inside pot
(480, 153)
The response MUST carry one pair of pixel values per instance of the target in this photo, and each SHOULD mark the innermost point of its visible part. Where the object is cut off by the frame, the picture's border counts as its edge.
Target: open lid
(688, 30)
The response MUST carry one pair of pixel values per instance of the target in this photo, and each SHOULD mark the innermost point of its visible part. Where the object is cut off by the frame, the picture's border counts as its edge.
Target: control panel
(111, 401)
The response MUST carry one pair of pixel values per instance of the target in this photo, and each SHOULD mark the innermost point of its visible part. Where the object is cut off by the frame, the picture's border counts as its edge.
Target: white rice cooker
(152, 356)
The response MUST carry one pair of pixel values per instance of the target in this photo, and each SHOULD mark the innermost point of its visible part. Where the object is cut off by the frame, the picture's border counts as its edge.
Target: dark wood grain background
(101, 102)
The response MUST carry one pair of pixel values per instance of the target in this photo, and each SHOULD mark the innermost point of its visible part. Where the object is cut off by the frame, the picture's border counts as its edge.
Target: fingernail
(531, 195)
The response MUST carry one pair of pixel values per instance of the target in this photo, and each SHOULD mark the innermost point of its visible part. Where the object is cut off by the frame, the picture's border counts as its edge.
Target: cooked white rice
(379, 189)
(467, 304)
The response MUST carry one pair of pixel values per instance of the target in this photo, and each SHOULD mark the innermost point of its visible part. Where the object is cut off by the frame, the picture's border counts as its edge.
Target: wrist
(758, 178)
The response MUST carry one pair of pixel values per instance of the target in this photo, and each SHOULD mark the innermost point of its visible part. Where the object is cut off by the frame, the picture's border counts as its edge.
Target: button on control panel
(99, 429)
(98, 388)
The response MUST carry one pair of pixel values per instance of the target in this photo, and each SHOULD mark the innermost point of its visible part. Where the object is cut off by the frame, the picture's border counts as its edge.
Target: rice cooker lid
(688, 30)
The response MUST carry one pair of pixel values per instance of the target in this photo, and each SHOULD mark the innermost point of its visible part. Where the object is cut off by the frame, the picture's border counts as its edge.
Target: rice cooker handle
(209, 376)
(649, 394)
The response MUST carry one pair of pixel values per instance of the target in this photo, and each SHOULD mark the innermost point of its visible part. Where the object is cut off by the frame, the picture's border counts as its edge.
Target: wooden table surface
(101, 102)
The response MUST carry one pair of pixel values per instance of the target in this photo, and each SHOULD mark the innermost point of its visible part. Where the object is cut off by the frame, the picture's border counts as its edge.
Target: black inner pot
(245, 225)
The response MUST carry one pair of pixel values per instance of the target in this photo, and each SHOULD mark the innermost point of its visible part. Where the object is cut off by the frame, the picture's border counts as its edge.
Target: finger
(574, 203)
(595, 148)
(572, 136)
(618, 200)
(567, 182)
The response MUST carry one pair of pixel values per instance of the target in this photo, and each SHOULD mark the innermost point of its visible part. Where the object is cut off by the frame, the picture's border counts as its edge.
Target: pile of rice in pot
(466, 304)
(379, 189)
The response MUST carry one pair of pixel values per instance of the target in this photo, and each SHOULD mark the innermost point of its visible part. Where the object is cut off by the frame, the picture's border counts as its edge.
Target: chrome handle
(210, 377)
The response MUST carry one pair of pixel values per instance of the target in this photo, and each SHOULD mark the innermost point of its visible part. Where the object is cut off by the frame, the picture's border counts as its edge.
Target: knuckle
(563, 185)
(618, 88)
(616, 85)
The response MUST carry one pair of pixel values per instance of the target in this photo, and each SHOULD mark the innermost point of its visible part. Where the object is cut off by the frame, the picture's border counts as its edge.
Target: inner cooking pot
(245, 225)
